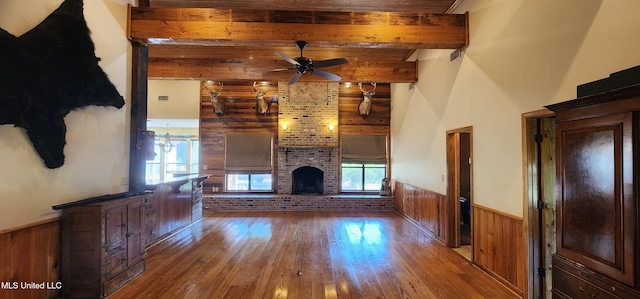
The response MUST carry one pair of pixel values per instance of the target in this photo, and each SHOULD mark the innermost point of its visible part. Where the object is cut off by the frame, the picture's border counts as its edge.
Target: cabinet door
(135, 228)
(595, 201)
(115, 229)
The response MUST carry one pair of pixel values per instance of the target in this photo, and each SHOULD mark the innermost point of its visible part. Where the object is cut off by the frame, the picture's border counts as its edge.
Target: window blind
(248, 153)
(365, 149)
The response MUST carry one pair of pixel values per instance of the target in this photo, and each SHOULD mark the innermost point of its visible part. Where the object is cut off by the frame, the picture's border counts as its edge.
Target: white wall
(183, 103)
(97, 150)
(522, 55)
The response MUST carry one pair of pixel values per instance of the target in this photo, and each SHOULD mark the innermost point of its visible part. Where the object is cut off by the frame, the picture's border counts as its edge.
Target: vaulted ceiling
(236, 40)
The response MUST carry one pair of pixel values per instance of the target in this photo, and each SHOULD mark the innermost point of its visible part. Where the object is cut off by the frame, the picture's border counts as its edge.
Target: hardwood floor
(307, 255)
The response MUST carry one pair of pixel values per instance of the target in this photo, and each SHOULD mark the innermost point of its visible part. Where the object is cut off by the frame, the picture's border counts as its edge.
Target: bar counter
(176, 203)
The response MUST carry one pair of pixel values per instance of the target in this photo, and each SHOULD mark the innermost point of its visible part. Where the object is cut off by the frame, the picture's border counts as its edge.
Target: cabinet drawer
(572, 286)
(565, 271)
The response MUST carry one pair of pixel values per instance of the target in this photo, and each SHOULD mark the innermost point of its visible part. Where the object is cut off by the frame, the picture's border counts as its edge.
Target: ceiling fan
(304, 65)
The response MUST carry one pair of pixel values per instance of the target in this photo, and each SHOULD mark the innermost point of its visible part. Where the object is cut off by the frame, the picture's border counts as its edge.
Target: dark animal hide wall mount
(47, 72)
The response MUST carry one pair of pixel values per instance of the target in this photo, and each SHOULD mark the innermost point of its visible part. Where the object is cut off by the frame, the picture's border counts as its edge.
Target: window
(248, 162)
(249, 182)
(183, 158)
(194, 156)
(364, 162)
(362, 177)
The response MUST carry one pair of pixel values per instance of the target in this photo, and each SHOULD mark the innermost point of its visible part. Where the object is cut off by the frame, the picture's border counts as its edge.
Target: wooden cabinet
(572, 280)
(196, 200)
(175, 204)
(597, 155)
(102, 245)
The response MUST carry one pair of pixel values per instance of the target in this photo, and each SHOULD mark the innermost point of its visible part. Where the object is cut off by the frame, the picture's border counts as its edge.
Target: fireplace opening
(307, 180)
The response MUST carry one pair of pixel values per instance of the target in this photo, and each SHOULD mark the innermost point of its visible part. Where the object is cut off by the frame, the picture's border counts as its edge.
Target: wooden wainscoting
(498, 238)
(499, 246)
(30, 254)
(425, 207)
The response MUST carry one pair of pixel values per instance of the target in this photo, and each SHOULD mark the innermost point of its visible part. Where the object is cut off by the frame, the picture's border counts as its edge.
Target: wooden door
(452, 226)
(135, 229)
(540, 162)
(115, 242)
(454, 169)
(595, 197)
(114, 229)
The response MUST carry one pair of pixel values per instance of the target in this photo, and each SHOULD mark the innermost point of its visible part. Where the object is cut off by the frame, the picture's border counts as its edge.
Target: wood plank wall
(499, 246)
(31, 254)
(426, 208)
(242, 117)
(498, 238)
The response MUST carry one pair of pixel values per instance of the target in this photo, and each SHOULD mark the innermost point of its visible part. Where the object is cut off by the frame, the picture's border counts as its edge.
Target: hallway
(323, 254)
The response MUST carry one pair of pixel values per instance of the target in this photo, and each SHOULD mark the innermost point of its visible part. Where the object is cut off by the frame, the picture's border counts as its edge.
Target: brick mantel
(308, 109)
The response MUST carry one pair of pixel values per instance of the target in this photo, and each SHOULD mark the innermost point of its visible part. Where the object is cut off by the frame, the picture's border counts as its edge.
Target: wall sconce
(331, 127)
(284, 127)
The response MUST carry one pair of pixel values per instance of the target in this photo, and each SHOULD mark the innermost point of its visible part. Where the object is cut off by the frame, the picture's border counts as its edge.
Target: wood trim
(616, 101)
(138, 117)
(501, 213)
(453, 182)
(499, 247)
(453, 189)
(29, 225)
(544, 112)
(534, 189)
(467, 129)
(529, 161)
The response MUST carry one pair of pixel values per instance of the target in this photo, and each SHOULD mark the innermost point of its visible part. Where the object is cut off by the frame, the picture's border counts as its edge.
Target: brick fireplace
(309, 112)
(324, 159)
(307, 180)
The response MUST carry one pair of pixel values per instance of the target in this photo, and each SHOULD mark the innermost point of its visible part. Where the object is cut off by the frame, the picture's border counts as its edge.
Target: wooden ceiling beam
(262, 53)
(208, 26)
(430, 6)
(248, 70)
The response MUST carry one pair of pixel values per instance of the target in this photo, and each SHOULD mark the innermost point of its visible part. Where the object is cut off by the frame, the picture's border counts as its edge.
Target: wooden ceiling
(237, 40)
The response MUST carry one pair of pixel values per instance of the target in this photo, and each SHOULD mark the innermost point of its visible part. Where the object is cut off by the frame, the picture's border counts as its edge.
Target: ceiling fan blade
(329, 62)
(287, 58)
(326, 75)
(273, 70)
(295, 77)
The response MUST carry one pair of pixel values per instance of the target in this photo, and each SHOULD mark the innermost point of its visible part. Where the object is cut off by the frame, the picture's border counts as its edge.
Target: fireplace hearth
(307, 180)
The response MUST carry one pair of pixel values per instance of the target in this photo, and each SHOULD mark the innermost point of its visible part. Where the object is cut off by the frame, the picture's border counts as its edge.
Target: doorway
(540, 179)
(460, 190)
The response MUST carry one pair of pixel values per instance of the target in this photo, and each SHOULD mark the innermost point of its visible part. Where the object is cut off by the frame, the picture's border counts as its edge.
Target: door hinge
(538, 138)
(541, 272)
(541, 205)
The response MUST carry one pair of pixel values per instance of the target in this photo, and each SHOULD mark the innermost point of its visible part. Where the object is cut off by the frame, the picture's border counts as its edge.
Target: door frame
(538, 182)
(453, 186)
